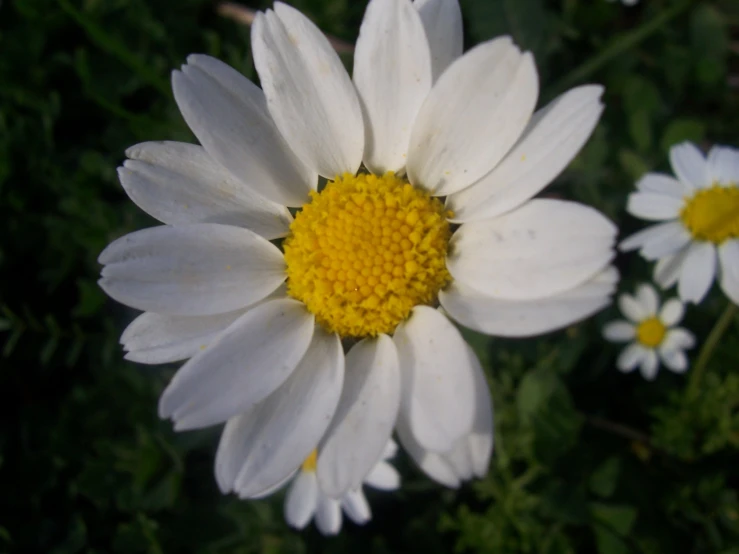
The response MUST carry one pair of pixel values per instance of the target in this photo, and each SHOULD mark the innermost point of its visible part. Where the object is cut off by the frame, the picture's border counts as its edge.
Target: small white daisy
(699, 235)
(653, 333)
(432, 159)
(305, 500)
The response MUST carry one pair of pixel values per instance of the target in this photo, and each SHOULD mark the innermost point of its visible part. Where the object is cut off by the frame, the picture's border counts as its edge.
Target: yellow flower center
(310, 462)
(712, 214)
(365, 251)
(651, 332)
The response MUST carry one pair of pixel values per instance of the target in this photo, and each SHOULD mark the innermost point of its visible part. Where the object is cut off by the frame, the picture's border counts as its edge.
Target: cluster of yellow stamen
(365, 251)
(651, 332)
(310, 462)
(712, 214)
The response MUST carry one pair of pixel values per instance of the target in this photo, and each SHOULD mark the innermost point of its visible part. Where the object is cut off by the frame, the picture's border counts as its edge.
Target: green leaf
(618, 518)
(640, 128)
(604, 478)
(632, 163)
(681, 130)
(710, 44)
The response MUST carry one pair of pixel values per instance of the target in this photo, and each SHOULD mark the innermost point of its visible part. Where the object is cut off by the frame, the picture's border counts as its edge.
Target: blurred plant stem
(714, 337)
(618, 46)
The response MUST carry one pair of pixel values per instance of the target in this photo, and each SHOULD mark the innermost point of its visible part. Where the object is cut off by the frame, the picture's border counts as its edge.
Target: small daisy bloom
(305, 500)
(652, 333)
(699, 211)
(429, 160)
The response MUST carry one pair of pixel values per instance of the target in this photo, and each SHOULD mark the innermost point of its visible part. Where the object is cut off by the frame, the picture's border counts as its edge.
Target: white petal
(653, 206)
(551, 140)
(309, 93)
(228, 114)
(723, 165)
(328, 515)
(543, 248)
(632, 308)
(301, 500)
(662, 233)
(672, 239)
(391, 449)
(649, 365)
(274, 488)
(672, 312)
(648, 298)
(247, 363)
(286, 427)
(438, 383)
(675, 360)
(459, 458)
(268, 442)
(384, 477)
(728, 254)
(689, 165)
(431, 463)
(392, 73)
(697, 272)
(198, 269)
(442, 21)
(365, 417)
(525, 318)
(667, 269)
(666, 185)
(180, 183)
(619, 331)
(356, 507)
(479, 443)
(631, 357)
(157, 339)
(678, 339)
(476, 111)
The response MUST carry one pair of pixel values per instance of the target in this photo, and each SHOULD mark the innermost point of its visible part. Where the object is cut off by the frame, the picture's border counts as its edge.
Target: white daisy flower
(699, 211)
(306, 500)
(652, 332)
(368, 257)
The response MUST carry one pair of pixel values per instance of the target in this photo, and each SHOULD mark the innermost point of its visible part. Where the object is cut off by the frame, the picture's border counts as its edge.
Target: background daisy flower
(699, 208)
(306, 501)
(446, 139)
(652, 332)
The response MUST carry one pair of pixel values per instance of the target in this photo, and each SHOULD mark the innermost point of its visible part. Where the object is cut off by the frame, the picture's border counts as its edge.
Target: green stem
(714, 337)
(619, 45)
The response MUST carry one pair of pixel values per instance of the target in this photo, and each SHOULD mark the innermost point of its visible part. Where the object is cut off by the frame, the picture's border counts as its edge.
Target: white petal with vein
(228, 114)
(198, 269)
(180, 183)
(525, 318)
(392, 73)
(247, 363)
(543, 248)
(438, 385)
(309, 93)
(365, 417)
(551, 140)
(442, 21)
(475, 112)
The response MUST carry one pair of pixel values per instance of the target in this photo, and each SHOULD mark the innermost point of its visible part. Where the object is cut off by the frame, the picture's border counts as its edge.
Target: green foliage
(586, 459)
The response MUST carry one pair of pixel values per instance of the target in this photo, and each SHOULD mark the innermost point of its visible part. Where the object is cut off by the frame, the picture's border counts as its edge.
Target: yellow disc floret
(310, 462)
(712, 214)
(365, 251)
(651, 332)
